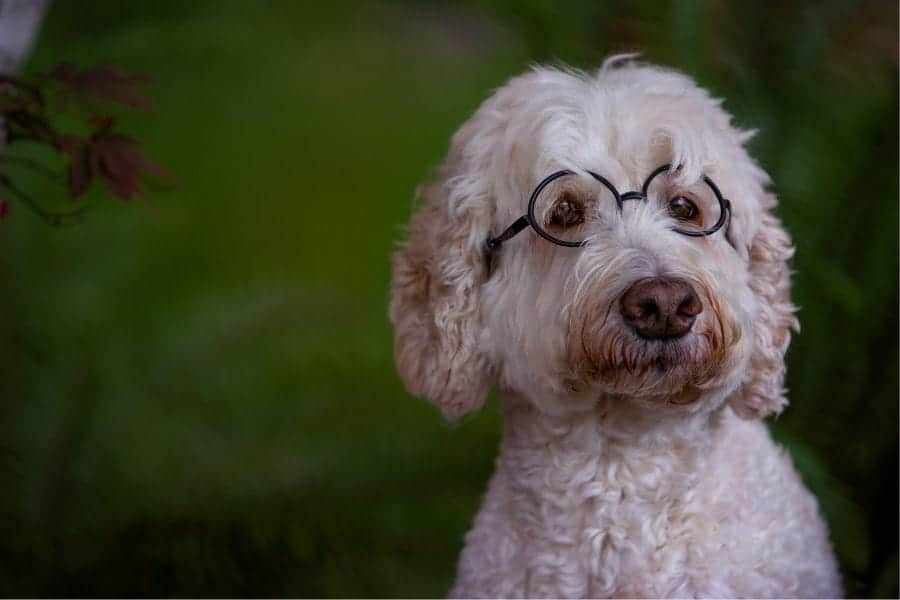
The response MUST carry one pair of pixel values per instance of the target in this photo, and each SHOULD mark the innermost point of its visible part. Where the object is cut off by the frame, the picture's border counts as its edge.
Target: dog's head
(642, 309)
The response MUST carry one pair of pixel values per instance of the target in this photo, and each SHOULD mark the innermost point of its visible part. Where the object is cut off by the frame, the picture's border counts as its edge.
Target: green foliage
(200, 392)
(30, 110)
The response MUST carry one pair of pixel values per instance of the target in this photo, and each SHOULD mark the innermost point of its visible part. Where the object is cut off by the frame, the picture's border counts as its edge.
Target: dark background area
(199, 390)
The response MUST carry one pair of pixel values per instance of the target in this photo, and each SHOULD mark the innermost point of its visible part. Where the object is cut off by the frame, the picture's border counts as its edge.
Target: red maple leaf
(103, 83)
(79, 171)
(115, 159)
(119, 161)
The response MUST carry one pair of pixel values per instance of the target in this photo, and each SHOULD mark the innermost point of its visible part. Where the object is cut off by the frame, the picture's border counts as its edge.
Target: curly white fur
(627, 468)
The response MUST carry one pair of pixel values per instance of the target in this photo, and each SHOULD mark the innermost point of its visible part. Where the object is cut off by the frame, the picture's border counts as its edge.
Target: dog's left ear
(762, 392)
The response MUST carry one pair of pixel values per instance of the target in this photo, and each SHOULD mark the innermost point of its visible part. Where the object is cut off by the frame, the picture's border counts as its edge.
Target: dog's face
(642, 311)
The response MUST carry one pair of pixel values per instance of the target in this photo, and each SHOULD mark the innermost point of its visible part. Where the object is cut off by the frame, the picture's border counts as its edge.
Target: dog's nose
(660, 308)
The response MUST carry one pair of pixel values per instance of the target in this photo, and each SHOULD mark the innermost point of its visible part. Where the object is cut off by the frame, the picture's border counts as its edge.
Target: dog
(602, 250)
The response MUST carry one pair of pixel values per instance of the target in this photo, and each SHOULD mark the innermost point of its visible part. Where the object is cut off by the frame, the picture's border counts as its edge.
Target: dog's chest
(620, 525)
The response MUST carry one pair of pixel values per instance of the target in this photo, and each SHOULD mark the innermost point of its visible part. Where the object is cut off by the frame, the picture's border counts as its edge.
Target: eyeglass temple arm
(520, 224)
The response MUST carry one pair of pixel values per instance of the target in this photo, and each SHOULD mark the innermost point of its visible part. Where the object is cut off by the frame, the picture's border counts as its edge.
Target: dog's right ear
(436, 285)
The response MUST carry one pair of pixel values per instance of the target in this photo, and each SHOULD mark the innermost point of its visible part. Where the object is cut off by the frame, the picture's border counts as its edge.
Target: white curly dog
(602, 250)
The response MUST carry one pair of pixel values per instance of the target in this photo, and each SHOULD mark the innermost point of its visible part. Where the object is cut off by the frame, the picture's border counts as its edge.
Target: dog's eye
(567, 212)
(683, 209)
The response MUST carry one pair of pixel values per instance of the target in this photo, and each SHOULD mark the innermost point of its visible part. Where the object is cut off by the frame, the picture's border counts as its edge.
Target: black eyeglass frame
(529, 218)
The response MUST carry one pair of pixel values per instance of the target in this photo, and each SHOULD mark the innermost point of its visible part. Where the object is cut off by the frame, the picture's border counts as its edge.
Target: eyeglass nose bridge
(620, 197)
(630, 196)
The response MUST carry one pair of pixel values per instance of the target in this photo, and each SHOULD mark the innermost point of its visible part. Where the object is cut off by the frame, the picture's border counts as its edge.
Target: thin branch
(16, 82)
(34, 166)
(10, 85)
(55, 219)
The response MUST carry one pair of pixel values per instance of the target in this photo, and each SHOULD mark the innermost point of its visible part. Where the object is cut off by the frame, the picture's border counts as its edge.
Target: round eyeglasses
(564, 205)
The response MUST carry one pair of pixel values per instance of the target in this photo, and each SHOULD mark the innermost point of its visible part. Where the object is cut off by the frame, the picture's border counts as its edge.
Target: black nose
(660, 308)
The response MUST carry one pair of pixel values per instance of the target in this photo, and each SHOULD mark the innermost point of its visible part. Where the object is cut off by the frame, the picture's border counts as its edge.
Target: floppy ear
(435, 288)
(762, 392)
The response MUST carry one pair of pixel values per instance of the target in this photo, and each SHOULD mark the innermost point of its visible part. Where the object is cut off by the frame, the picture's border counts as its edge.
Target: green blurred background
(200, 396)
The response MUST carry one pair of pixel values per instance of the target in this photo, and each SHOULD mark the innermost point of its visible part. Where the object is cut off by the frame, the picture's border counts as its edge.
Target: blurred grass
(201, 397)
